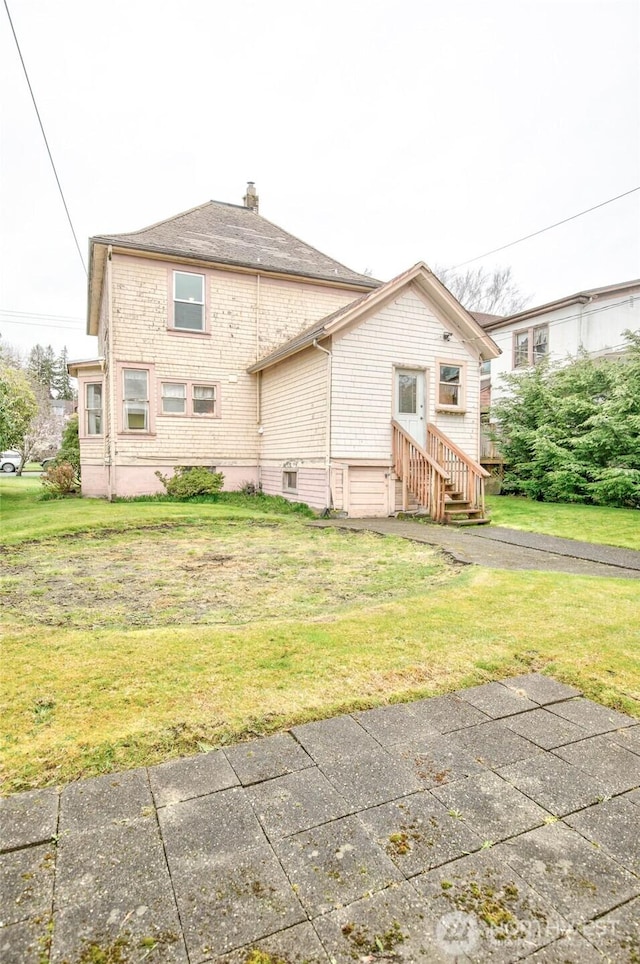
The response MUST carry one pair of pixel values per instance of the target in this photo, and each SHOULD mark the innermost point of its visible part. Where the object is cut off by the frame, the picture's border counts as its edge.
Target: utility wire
(45, 137)
(542, 230)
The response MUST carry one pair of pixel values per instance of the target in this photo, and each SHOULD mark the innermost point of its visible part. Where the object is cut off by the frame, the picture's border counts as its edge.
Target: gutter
(111, 381)
(328, 426)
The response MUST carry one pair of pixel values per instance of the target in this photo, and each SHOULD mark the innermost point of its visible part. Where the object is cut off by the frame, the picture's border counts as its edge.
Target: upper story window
(485, 368)
(450, 386)
(530, 346)
(93, 408)
(188, 301)
(135, 397)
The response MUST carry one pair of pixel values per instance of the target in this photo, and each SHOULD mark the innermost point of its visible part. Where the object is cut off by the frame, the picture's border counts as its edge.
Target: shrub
(61, 478)
(187, 482)
(70, 448)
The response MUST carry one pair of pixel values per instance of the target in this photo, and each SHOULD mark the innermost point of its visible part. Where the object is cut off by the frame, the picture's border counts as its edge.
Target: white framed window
(450, 386)
(530, 346)
(93, 408)
(203, 400)
(188, 301)
(174, 398)
(290, 480)
(135, 397)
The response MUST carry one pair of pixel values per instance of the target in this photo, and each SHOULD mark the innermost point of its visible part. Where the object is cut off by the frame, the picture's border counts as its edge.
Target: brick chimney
(251, 198)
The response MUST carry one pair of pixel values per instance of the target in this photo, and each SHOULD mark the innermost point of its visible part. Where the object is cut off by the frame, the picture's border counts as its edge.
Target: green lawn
(135, 632)
(589, 523)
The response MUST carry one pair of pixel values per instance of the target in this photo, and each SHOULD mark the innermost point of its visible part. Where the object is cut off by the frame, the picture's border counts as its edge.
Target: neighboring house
(226, 342)
(592, 321)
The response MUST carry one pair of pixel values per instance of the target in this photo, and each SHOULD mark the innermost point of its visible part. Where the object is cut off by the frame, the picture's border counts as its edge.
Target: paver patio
(498, 823)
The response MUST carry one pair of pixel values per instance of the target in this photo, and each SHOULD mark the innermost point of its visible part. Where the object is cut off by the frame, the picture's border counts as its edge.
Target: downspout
(328, 428)
(111, 377)
(258, 386)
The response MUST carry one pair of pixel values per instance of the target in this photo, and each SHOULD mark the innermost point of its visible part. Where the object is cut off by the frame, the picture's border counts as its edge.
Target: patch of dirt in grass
(229, 573)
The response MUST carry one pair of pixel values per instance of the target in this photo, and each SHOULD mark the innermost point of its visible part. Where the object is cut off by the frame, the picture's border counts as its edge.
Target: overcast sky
(381, 132)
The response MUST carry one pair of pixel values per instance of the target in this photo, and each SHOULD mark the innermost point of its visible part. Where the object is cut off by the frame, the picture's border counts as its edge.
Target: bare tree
(42, 437)
(493, 292)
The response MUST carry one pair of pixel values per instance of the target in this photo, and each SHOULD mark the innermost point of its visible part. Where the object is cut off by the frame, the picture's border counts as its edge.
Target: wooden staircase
(446, 483)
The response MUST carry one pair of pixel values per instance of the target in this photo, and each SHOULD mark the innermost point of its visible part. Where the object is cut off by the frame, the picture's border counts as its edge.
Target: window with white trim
(450, 385)
(135, 397)
(530, 346)
(93, 408)
(188, 301)
(290, 481)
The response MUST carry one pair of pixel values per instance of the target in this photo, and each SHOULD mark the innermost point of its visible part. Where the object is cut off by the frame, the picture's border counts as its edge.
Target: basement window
(290, 481)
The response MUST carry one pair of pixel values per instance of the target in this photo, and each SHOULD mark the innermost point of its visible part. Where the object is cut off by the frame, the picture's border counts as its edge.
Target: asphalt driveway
(502, 548)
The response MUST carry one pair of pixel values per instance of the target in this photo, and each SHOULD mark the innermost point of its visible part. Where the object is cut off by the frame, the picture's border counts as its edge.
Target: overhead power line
(549, 227)
(24, 67)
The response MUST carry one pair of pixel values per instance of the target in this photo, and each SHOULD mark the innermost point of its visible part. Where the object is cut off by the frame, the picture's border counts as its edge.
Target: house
(591, 321)
(225, 341)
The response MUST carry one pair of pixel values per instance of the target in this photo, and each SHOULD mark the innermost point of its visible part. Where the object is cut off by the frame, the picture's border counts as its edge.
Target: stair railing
(420, 473)
(467, 476)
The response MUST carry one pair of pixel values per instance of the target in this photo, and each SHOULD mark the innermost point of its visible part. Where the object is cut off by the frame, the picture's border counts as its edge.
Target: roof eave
(158, 252)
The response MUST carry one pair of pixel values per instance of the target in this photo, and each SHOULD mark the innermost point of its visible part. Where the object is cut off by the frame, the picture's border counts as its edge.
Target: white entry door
(410, 395)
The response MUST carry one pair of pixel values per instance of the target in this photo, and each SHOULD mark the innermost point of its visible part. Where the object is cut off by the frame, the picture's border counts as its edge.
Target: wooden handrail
(425, 455)
(430, 473)
(474, 466)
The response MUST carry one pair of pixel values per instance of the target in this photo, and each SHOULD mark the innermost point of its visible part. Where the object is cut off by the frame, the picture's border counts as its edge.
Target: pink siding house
(224, 341)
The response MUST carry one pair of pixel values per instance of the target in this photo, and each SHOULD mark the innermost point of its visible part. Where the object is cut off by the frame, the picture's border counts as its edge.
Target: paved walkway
(495, 824)
(501, 548)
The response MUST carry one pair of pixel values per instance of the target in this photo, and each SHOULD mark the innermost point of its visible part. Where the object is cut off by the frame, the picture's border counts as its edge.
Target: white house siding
(294, 424)
(596, 327)
(246, 316)
(404, 334)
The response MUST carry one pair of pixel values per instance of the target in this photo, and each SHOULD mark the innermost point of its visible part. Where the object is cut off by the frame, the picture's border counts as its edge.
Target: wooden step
(469, 522)
(467, 511)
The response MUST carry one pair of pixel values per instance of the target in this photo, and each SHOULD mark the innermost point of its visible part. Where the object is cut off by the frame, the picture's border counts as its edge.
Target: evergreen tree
(572, 434)
(62, 387)
(41, 366)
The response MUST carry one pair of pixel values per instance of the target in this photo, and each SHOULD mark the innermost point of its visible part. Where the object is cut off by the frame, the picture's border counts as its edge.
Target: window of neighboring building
(174, 398)
(93, 408)
(204, 400)
(450, 385)
(188, 301)
(290, 481)
(485, 368)
(135, 396)
(530, 346)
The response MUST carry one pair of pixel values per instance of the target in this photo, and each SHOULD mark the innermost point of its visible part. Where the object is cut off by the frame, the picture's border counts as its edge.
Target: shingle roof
(235, 235)
(484, 319)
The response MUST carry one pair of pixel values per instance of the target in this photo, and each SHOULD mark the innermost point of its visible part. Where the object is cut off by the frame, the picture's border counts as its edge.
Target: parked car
(10, 461)
(45, 463)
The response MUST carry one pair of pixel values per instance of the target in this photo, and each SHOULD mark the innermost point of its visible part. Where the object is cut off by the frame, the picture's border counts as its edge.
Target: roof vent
(251, 198)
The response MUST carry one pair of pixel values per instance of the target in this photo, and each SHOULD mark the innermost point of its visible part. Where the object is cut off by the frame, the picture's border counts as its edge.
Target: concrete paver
(470, 827)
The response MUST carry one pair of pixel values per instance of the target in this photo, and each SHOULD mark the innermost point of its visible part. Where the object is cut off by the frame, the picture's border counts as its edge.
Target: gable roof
(580, 297)
(231, 234)
(419, 275)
